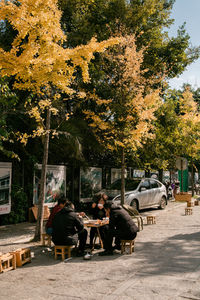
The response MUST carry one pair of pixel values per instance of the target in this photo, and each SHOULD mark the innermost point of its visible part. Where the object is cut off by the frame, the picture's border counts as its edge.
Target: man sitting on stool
(121, 226)
(61, 203)
(68, 229)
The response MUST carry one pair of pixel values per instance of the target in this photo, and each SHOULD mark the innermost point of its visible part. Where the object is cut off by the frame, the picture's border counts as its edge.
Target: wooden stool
(46, 238)
(7, 262)
(151, 220)
(129, 243)
(190, 204)
(23, 256)
(62, 250)
(188, 211)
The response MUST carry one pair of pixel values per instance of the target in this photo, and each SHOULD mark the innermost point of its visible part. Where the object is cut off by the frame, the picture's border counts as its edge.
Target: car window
(154, 184)
(129, 184)
(145, 184)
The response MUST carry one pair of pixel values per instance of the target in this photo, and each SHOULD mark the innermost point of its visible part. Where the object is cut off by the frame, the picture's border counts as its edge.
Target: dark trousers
(82, 237)
(103, 232)
(73, 240)
(118, 237)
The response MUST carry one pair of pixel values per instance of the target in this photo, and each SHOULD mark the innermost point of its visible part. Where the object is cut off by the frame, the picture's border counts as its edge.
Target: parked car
(111, 191)
(115, 188)
(146, 193)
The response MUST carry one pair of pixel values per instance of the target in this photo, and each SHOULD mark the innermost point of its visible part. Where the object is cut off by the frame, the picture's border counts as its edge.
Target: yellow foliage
(54, 110)
(38, 58)
(188, 106)
(128, 116)
(43, 59)
(190, 124)
(24, 138)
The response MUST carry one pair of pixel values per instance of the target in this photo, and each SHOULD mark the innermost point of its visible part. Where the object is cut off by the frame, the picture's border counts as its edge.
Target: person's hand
(94, 205)
(82, 214)
(79, 216)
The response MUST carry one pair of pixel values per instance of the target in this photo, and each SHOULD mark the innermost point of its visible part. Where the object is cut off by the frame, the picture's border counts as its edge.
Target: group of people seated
(67, 227)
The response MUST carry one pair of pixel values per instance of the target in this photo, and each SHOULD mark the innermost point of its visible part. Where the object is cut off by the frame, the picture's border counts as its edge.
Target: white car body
(149, 193)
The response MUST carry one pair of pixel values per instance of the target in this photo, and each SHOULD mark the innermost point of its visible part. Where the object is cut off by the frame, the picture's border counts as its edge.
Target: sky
(187, 11)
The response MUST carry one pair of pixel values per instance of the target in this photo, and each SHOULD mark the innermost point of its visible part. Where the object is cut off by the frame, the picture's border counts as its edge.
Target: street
(165, 264)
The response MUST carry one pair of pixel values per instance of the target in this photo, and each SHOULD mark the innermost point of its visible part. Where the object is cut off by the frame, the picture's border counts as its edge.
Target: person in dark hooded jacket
(68, 228)
(121, 226)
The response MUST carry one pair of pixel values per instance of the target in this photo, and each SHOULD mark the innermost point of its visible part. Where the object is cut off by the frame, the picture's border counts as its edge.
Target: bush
(19, 206)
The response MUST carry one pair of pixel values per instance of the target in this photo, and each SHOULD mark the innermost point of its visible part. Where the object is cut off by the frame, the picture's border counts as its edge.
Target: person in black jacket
(121, 226)
(68, 228)
(98, 213)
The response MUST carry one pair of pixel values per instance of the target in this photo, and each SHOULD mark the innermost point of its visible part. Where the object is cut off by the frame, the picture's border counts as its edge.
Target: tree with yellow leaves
(189, 129)
(126, 117)
(176, 130)
(40, 63)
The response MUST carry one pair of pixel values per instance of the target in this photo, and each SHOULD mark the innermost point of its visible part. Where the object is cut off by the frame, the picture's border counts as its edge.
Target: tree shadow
(177, 254)
(44, 256)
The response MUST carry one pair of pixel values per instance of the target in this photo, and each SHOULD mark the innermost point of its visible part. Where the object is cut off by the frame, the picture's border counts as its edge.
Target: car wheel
(134, 204)
(162, 203)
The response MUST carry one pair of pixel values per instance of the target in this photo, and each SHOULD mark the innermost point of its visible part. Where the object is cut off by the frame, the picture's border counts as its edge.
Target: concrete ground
(165, 264)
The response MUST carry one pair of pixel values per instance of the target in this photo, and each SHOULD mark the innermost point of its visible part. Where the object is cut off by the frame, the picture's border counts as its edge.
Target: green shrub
(19, 207)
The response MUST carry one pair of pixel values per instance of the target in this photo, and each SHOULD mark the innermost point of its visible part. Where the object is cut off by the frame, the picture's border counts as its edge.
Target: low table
(97, 224)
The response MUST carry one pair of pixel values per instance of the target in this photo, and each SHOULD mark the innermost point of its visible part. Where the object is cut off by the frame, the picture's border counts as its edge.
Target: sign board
(5, 187)
(55, 183)
(181, 161)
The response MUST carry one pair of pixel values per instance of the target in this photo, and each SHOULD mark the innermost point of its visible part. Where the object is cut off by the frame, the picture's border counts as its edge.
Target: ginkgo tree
(126, 116)
(176, 130)
(40, 63)
(189, 129)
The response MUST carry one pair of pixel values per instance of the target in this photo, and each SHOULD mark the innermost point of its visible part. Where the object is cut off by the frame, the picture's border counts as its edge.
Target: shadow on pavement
(175, 255)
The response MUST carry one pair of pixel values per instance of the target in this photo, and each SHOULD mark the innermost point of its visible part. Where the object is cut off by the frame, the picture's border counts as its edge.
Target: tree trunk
(192, 178)
(160, 175)
(181, 176)
(123, 178)
(39, 224)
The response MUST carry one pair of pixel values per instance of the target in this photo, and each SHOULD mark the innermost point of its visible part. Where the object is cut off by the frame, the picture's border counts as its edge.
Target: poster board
(90, 182)
(138, 173)
(5, 187)
(166, 176)
(55, 184)
(115, 174)
(154, 174)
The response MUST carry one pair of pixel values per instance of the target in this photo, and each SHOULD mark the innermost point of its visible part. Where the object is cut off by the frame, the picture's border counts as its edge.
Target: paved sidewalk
(165, 265)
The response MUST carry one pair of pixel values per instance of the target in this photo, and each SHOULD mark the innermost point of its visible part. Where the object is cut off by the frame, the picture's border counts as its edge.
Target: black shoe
(106, 252)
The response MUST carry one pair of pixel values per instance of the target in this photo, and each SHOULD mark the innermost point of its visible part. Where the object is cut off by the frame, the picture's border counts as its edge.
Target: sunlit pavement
(165, 265)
